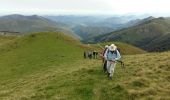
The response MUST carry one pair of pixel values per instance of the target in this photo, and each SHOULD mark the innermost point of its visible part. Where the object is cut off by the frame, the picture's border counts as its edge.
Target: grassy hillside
(34, 52)
(148, 34)
(125, 49)
(6, 39)
(49, 66)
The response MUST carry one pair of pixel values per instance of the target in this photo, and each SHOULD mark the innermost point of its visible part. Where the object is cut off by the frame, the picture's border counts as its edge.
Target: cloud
(84, 6)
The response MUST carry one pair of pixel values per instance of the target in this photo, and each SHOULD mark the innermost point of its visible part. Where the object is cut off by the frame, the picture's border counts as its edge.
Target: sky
(103, 7)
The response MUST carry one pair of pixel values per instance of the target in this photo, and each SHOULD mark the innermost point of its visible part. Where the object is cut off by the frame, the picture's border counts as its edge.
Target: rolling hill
(34, 23)
(50, 66)
(34, 52)
(90, 26)
(151, 35)
(87, 32)
(25, 24)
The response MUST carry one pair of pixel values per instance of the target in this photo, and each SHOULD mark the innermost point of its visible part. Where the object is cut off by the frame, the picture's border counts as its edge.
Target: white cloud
(84, 6)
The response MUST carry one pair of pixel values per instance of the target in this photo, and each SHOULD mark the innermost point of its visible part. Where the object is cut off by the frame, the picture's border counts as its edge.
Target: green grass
(6, 39)
(34, 52)
(125, 49)
(49, 66)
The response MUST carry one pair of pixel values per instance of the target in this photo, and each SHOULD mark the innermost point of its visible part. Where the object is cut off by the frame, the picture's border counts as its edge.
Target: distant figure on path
(111, 55)
(90, 54)
(85, 54)
(95, 54)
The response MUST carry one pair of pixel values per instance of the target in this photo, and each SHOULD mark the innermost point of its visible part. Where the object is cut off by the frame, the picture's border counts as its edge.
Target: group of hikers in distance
(91, 54)
(110, 55)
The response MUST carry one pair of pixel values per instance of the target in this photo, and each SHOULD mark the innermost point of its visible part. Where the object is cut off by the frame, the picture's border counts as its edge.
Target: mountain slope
(26, 24)
(34, 23)
(50, 66)
(35, 51)
(152, 32)
(87, 32)
(89, 26)
(126, 49)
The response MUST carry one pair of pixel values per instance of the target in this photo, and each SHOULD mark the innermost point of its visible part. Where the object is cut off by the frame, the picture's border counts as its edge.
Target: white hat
(112, 47)
(106, 46)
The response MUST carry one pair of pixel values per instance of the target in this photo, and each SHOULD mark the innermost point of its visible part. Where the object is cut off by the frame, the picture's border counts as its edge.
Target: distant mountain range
(151, 34)
(28, 24)
(82, 27)
(90, 26)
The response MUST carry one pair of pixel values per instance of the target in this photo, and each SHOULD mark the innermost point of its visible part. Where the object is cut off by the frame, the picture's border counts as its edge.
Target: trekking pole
(100, 46)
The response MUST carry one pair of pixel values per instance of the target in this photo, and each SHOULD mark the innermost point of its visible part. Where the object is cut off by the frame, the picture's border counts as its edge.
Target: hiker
(85, 54)
(111, 55)
(89, 54)
(104, 61)
(95, 54)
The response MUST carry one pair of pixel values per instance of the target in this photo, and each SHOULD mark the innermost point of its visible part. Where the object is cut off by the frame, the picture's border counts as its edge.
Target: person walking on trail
(94, 54)
(104, 60)
(90, 54)
(111, 55)
(85, 55)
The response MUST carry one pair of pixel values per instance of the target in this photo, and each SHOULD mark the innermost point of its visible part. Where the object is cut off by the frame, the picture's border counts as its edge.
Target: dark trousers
(105, 66)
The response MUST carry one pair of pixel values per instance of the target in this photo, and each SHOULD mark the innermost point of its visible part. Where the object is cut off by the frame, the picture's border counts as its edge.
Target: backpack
(115, 52)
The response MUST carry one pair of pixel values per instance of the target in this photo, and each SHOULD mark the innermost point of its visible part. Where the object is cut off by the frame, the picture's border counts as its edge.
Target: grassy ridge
(140, 80)
(150, 35)
(84, 80)
(49, 66)
(125, 49)
(33, 52)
